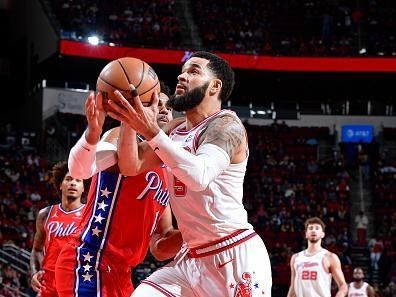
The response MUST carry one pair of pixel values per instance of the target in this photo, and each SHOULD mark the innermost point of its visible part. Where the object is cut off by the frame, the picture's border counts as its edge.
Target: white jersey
(355, 292)
(215, 212)
(312, 279)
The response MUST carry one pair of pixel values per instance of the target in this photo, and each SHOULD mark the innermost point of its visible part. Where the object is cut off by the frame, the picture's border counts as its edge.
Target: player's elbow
(76, 168)
(78, 171)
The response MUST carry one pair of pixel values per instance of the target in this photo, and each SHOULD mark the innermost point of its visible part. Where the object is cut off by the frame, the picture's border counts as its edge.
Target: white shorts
(236, 266)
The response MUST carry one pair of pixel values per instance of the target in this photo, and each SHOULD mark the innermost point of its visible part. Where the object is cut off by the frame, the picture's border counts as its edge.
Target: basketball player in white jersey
(313, 268)
(359, 288)
(206, 157)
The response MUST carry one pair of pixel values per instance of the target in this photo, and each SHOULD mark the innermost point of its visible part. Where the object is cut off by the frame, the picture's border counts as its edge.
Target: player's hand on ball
(143, 119)
(95, 115)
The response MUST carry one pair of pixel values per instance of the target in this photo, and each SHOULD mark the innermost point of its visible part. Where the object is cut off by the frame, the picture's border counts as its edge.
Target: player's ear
(215, 86)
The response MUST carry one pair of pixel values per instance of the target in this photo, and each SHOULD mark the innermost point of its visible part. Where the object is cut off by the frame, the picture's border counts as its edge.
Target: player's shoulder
(226, 116)
(332, 257)
(43, 213)
(226, 124)
(111, 135)
(294, 256)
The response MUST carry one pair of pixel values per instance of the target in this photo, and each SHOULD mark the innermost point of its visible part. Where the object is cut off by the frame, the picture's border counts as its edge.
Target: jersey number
(309, 275)
(179, 187)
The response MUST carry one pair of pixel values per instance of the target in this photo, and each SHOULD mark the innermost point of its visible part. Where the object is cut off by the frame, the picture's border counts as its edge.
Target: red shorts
(49, 284)
(77, 274)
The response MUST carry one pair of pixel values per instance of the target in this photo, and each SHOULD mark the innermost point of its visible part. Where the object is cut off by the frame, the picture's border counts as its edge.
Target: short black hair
(222, 70)
(165, 89)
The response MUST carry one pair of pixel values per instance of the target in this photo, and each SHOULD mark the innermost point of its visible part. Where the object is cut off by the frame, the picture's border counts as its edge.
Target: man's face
(165, 113)
(192, 84)
(314, 233)
(358, 274)
(72, 188)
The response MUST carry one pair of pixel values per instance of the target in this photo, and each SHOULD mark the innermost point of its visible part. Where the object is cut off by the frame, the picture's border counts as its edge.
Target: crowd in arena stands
(286, 182)
(270, 27)
(298, 28)
(24, 190)
(139, 23)
(383, 247)
(12, 282)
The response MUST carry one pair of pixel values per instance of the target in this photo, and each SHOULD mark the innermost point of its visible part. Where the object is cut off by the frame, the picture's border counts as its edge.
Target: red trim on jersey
(48, 215)
(159, 288)
(70, 211)
(195, 141)
(193, 252)
(183, 132)
(219, 240)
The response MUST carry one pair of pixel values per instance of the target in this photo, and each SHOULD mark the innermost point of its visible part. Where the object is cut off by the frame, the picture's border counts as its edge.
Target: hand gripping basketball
(143, 119)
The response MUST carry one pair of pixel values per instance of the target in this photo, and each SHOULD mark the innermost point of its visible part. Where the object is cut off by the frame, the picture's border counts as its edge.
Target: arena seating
(284, 28)
(139, 23)
(285, 183)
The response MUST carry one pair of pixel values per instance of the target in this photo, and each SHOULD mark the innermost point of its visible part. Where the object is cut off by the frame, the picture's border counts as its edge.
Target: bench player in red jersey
(54, 226)
(124, 215)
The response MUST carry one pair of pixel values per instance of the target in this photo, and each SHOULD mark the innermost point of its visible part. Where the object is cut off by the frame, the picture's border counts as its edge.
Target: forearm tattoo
(226, 132)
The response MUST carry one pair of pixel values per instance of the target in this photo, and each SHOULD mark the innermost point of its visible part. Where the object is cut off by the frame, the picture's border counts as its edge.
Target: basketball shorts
(48, 281)
(236, 266)
(83, 272)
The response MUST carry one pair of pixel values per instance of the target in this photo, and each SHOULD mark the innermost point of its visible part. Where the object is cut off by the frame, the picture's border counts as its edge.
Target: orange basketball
(120, 73)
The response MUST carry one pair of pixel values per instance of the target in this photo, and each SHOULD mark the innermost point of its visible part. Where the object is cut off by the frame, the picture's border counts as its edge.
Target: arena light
(363, 51)
(94, 40)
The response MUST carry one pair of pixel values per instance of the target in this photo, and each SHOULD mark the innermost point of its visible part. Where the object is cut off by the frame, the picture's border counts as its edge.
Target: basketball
(120, 73)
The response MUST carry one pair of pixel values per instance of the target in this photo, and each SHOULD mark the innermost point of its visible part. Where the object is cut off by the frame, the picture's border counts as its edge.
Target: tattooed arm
(223, 142)
(228, 133)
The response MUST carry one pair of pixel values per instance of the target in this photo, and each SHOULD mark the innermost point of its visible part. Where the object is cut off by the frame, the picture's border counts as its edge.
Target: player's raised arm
(89, 155)
(135, 157)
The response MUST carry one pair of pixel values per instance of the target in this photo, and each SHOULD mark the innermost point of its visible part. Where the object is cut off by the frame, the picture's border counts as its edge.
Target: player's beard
(358, 279)
(189, 100)
(313, 240)
(71, 198)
